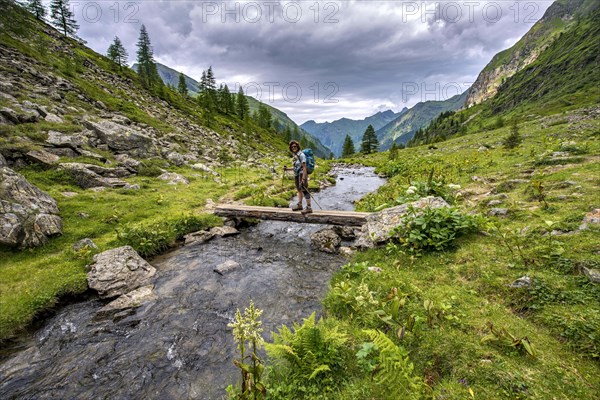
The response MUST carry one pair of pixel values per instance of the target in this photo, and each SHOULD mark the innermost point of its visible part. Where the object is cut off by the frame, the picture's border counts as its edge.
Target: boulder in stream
(128, 301)
(119, 271)
(326, 240)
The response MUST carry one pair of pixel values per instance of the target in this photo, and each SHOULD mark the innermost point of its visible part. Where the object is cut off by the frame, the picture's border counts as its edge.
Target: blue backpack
(310, 160)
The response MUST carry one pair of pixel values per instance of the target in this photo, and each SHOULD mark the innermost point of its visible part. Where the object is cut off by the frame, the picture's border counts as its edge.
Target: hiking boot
(307, 210)
(297, 207)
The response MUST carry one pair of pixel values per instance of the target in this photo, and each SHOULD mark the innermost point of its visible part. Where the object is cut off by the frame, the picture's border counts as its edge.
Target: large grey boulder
(119, 271)
(123, 138)
(28, 215)
(174, 178)
(87, 175)
(380, 225)
(3, 162)
(326, 240)
(42, 157)
(59, 139)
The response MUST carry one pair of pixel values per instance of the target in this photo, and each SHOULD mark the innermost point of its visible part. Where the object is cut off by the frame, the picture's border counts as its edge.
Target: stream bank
(179, 346)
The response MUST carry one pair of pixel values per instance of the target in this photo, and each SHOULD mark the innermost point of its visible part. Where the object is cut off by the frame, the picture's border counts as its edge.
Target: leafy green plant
(151, 239)
(395, 370)
(391, 314)
(504, 338)
(433, 228)
(246, 330)
(311, 359)
(351, 300)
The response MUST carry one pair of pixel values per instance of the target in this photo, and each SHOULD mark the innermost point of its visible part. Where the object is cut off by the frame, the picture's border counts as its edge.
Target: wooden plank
(329, 217)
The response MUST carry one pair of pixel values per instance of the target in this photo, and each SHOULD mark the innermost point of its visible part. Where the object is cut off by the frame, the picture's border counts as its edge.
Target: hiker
(300, 177)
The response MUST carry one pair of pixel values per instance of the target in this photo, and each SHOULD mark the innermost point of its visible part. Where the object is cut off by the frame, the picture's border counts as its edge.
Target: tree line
(369, 143)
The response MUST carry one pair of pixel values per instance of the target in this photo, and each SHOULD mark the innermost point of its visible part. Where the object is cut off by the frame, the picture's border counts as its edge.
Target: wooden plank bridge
(329, 217)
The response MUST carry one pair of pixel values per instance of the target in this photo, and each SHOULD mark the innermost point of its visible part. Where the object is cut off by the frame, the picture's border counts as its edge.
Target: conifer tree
(369, 142)
(145, 58)
(181, 85)
(514, 139)
(62, 17)
(117, 52)
(242, 108)
(287, 133)
(203, 85)
(348, 148)
(37, 8)
(264, 117)
(393, 152)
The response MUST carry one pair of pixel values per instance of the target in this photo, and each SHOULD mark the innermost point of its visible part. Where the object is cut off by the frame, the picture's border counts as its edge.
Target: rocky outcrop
(59, 139)
(174, 179)
(122, 138)
(379, 225)
(91, 176)
(28, 215)
(119, 271)
(326, 240)
(42, 157)
(508, 62)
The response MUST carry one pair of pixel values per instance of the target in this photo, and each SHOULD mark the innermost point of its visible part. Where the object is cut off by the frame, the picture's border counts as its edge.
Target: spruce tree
(287, 133)
(369, 142)
(514, 139)
(117, 53)
(181, 86)
(393, 152)
(203, 84)
(229, 103)
(264, 117)
(348, 148)
(242, 108)
(145, 58)
(62, 17)
(37, 8)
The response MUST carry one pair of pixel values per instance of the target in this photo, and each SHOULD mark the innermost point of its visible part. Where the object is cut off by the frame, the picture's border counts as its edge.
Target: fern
(396, 371)
(311, 359)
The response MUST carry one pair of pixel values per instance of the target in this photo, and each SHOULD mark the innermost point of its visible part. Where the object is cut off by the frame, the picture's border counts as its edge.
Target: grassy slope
(560, 315)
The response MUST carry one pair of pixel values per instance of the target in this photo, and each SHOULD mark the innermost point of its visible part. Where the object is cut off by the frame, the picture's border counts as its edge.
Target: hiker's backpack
(310, 160)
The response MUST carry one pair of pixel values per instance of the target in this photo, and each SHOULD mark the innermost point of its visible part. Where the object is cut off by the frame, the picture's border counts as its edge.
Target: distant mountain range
(389, 126)
(171, 77)
(332, 134)
(403, 128)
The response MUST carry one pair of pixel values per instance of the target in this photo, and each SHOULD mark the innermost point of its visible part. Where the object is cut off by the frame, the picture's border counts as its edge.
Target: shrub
(433, 228)
(151, 239)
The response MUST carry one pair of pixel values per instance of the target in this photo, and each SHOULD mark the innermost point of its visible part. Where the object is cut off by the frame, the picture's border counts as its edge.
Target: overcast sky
(320, 60)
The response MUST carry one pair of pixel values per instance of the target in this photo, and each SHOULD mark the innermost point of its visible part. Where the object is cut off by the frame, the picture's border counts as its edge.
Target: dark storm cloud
(367, 55)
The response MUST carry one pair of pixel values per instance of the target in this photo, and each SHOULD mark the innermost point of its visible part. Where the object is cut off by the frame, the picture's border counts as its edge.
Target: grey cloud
(369, 53)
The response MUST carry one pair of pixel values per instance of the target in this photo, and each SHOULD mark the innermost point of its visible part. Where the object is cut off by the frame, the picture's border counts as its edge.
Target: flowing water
(179, 346)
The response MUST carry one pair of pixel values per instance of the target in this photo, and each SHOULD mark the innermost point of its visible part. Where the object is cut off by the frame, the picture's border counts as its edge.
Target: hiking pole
(311, 196)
